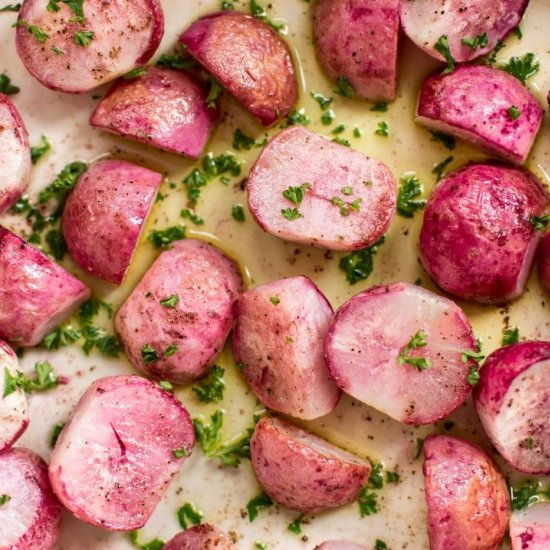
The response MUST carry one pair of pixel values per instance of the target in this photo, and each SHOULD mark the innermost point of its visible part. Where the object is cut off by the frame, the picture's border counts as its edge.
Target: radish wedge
(485, 106)
(345, 200)
(200, 537)
(15, 154)
(105, 214)
(71, 53)
(530, 528)
(30, 517)
(468, 503)
(302, 471)
(249, 59)
(512, 401)
(162, 108)
(544, 262)
(112, 463)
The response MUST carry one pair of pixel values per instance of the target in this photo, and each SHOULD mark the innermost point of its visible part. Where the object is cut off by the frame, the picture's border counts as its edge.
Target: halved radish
(14, 415)
(488, 21)
(249, 59)
(200, 537)
(302, 471)
(112, 463)
(512, 400)
(36, 295)
(544, 262)
(306, 189)
(340, 545)
(30, 515)
(398, 348)
(358, 40)
(163, 108)
(478, 239)
(15, 154)
(468, 502)
(485, 106)
(278, 337)
(105, 214)
(530, 528)
(77, 46)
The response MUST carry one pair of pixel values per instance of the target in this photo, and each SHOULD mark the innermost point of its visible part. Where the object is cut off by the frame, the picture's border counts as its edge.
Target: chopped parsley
(296, 116)
(76, 6)
(419, 340)
(237, 213)
(442, 47)
(296, 194)
(392, 477)
(190, 215)
(419, 448)
(170, 350)
(242, 141)
(83, 38)
(291, 214)
(149, 354)
(260, 545)
(359, 265)
(382, 129)
(328, 117)
(43, 380)
(11, 8)
(215, 91)
(176, 61)
(344, 87)
(514, 113)
(479, 41)
(473, 376)
(529, 493)
(170, 301)
(57, 247)
(522, 68)
(339, 129)
(475, 356)
(449, 142)
(258, 503)
(212, 388)
(324, 102)
(162, 239)
(275, 300)
(510, 336)
(63, 183)
(439, 169)
(166, 386)
(182, 452)
(39, 34)
(380, 545)
(55, 434)
(62, 336)
(258, 11)
(342, 141)
(134, 73)
(410, 189)
(380, 107)
(6, 87)
(38, 151)
(189, 515)
(155, 544)
(296, 525)
(540, 222)
(4, 499)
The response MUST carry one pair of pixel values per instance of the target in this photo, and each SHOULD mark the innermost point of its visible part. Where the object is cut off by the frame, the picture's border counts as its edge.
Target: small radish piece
(307, 189)
(249, 59)
(36, 294)
(30, 515)
(398, 348)
(468, 503)
(200, 537)
(15, 154)
(78, 46)
(544, 262)
(340, 545)
(472, 29)
(112, 463)
(485, 106)
(176, 321)
(358, 40)
(530, 528)
(512, 400)
(162, 108)
(302, 471)
(478, 239)
(105, 214)
(278, 338)
(14, 415)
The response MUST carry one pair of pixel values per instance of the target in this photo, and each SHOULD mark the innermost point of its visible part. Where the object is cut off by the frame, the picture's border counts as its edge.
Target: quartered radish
(15, 154)
(358, 41)
(105, 214)
(544, 262)
(485, 106)
(278, 338)
(468, 503)
(479, 238)
(471, 28)
(249, 59)
(163, 108)
(36, 295)
(200, 537)
(307, 189)
(530, 528)
(512, 400)
(302, 471)
(30, 514)
(399, 348)
(176, 321)
(112, 463)
(76, 47)
(14, 415)
(340, 545)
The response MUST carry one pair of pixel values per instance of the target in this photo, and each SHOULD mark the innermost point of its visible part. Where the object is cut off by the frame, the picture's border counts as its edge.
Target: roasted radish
(340, 545)
(306, 189)
(200, 537)
(302, 471)
(544, 262)
(530, 528)
(104, 216)
(112, 463)
(278, 338)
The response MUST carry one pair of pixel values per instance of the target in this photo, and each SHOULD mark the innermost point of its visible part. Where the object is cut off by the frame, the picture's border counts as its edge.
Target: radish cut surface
(530, 528)
(200, 537)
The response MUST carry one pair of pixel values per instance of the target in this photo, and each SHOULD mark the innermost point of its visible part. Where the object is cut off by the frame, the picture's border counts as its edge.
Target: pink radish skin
(36, 295)
(207, 285)
(426, 21)
(530, 528)
(473, 103)
(544, 262)
(162, 108)
(14, 414)
(114, 460)
(477, 240)
(302, 471)
(15, 154)
(371, 331)
(278, 338)
(512, 401)
(249, 59)
(340, 545)
(126, 34)
(468, 503)
(358, 40)
(296, 157)
(30, 519)
(105, 214)
(200, 537)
